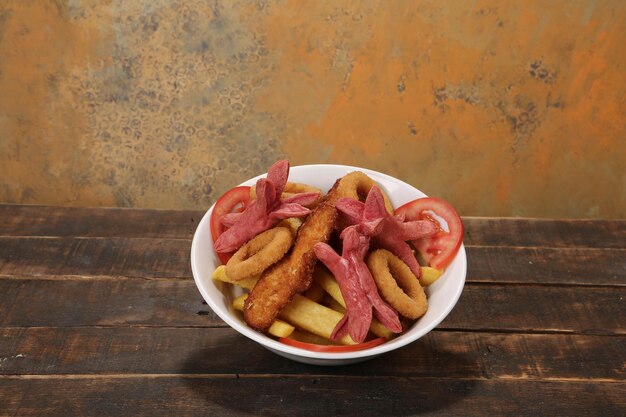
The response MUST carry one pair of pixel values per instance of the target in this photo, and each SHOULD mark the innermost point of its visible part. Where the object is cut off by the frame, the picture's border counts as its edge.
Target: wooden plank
(154, 258)
(485, 307)
(49, 351)
(26, 220)
(307, 396)
(483, 231)
(547, 265)
(527, 308)
(136, 257)
(103, 303)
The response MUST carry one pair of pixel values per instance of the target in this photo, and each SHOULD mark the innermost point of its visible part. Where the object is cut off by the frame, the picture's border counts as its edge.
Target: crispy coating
(259, 253)
(294, 273)
(357, 185)
(397, 284)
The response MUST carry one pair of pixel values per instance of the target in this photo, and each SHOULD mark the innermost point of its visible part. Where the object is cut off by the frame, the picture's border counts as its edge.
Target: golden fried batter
(357, 185)
(259, 253)
(397, 284)
(294, 273)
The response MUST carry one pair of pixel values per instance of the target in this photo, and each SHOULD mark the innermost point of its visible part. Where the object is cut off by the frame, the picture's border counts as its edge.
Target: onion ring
(259, 253)
(357, 185)
(298, 187)
(397, 284)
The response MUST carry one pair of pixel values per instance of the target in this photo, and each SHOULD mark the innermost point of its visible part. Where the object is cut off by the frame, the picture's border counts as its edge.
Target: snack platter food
(442, 294)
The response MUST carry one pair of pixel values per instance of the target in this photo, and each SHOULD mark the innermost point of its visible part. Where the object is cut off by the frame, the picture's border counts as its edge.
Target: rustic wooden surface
(99, 315)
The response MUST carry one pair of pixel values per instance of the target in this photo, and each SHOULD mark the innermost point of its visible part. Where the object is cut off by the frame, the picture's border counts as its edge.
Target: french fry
(220, 275)
(327, 281)
(430, 275)
(313, 317)
(304, 315)
(306, 337)
(278, 328)
(315, 292)
(304, 312)
(381, 330)
(334, 304)
(238, 302)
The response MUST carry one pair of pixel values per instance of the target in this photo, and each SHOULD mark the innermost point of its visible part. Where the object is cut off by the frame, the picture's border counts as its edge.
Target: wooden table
(100, 316)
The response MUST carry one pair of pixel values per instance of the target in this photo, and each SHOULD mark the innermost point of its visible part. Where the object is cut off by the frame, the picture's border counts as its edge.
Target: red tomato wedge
(234, 200)
(440, 249)
(332, 348)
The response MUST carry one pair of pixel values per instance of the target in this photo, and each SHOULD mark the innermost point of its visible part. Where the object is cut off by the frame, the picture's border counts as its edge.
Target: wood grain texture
(99, 316)
(484, 231)
(169, 258)
(446, 354)
(28, 220)
(531, 308)
(102, 303)
(484, 307)
(128, 257)
(547, 265)
(307, 396)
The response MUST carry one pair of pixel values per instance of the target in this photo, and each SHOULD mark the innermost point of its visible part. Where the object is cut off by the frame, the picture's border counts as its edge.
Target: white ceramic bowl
(442, 295)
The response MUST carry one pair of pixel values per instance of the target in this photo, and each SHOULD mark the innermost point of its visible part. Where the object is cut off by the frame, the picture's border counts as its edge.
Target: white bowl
(442, 295)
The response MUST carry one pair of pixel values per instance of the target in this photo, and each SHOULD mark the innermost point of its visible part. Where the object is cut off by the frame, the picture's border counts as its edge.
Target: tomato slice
(332, 348)
(234, 200)
(440, 249)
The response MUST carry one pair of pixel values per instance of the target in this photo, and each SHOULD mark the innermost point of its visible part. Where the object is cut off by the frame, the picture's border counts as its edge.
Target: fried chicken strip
(294, 273)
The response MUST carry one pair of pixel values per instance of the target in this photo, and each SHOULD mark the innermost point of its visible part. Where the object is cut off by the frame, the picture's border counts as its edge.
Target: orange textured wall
(504, 108)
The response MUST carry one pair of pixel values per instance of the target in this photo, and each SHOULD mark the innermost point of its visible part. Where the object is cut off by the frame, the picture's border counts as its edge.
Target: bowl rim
(274, 344)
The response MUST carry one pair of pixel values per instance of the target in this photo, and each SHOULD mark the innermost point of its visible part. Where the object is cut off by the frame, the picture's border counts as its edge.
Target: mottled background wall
(504, 108)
